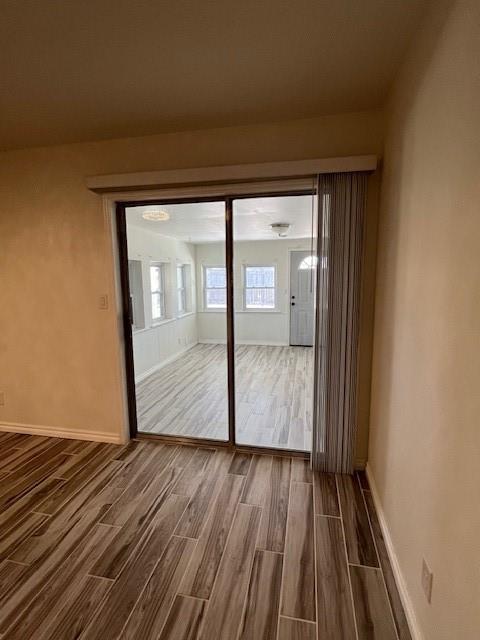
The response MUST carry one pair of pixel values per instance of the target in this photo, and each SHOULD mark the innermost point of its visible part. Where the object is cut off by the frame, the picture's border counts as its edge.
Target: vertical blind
(341, 213)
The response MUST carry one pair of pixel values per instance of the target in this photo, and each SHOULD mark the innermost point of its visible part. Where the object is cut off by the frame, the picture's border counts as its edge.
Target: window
(136, 294)
(259, 287)
(182, 289)
(157, 289)
(312, 261)
(215, 287)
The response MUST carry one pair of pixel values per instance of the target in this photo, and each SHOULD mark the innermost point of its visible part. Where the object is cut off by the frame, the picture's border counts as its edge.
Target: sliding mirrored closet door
(219, 296)
(219, 299)
(177, 280)
(274, 268)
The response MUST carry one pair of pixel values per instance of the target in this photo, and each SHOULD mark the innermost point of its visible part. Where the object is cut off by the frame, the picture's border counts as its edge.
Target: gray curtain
(341, 212)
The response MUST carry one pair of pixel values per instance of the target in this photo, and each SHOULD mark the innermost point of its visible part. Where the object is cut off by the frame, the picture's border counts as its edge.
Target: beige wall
(59, 352)
(425, 435)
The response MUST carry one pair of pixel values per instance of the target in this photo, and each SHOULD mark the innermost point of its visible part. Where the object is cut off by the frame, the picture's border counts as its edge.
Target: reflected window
(310, 262)
(183, 271)
(260, 287)
(215, 287)
(157, 289)
(136, 293)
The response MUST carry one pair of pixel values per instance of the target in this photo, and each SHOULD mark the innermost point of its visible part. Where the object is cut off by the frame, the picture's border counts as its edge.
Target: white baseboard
(256, 343)
(56, 432)
(164, 363)
(397, 572)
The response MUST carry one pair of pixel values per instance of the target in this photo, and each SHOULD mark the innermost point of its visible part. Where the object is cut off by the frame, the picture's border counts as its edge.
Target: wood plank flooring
(188, 397)
(158, 541)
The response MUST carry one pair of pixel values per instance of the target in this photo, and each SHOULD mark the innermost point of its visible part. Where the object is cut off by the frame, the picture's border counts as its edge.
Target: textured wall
(59, 352)
(425, 436)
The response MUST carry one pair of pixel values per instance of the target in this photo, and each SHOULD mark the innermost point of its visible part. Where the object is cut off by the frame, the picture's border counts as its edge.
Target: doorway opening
(219, 319)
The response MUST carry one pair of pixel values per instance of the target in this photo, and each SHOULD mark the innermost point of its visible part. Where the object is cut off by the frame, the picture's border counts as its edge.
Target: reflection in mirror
(274, 279)
(177, 284)
(310, 262)
(135, 280)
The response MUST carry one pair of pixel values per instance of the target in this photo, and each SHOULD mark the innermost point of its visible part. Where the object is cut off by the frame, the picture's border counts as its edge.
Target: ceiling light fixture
(280, 228)
(156, 216)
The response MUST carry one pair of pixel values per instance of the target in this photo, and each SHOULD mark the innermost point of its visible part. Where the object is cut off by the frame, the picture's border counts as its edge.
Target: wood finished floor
(152, 540)
(188, 397)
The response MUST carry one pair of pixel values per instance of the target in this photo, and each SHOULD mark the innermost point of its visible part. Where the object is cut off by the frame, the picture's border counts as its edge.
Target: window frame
(135, 289)
(182, 290)
(245, 288)
(161, 292)
(205, 267)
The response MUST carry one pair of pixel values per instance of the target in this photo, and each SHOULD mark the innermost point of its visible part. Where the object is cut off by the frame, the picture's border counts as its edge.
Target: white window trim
(185, 310)
(160, 323)
(205, 308)
(246, 309)
(162, 291)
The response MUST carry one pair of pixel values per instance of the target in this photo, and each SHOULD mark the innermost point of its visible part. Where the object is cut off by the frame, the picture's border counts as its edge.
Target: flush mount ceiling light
(280, 228)
(156, 216)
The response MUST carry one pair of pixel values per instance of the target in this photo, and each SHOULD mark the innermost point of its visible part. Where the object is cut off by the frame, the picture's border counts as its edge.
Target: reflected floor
(188, 397)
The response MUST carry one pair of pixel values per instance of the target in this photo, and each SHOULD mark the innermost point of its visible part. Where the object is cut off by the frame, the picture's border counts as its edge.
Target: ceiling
(97, 69)
(204, 222)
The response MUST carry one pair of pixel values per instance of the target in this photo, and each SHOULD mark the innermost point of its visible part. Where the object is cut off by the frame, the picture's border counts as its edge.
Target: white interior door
(302, 274)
